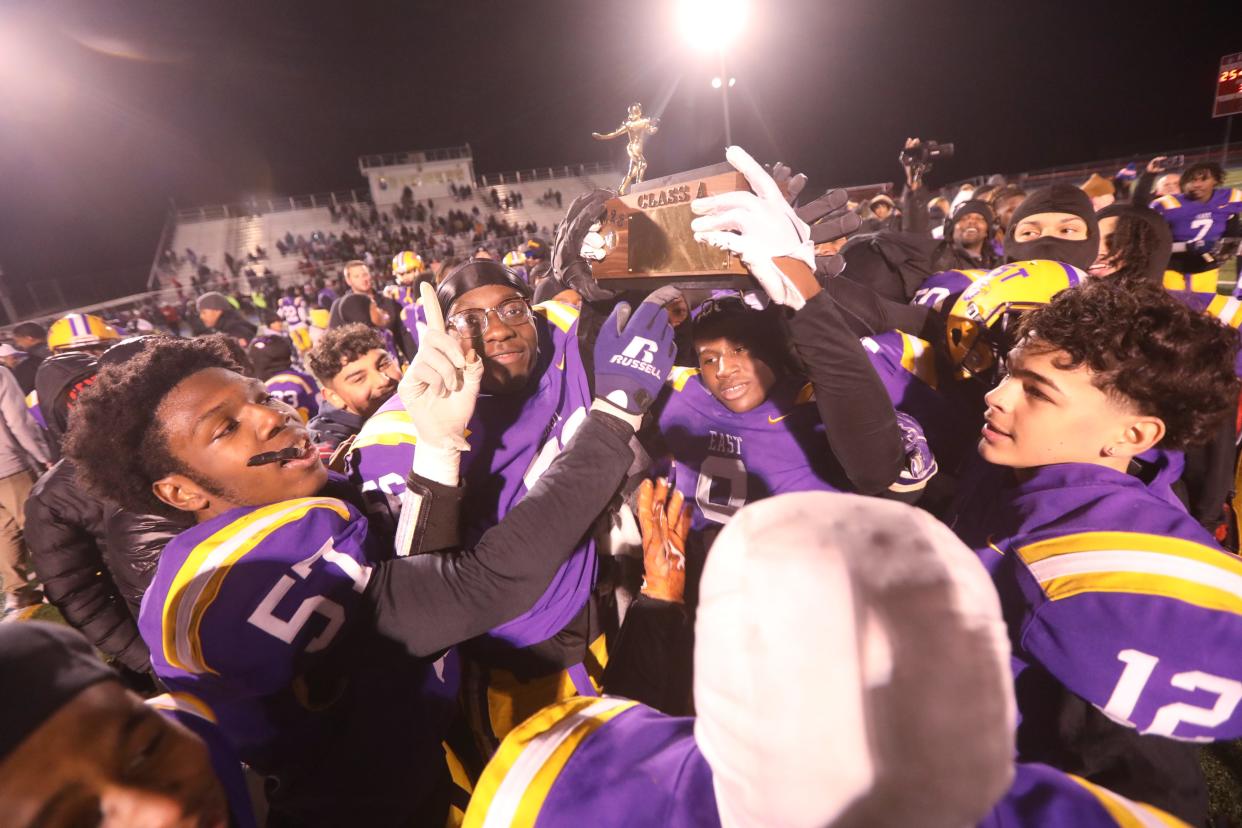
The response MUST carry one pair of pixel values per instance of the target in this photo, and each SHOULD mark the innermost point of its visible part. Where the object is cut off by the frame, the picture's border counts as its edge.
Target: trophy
(648, 240)
(646, 227)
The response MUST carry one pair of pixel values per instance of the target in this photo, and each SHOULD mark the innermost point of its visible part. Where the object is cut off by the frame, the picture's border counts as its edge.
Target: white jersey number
(717, 473)
(264, 616)
(1134, 678)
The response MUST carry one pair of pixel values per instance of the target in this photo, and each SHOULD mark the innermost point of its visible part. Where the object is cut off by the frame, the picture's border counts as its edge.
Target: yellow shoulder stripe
(1235, 195)
(32, 399)
(1169, 202)
(185, 703)
(198, 581)
(1138, 563)
(294, 378)
(917, 358)
(560, 314)
(516, 782)
(1227, 309)
(1126, 813)
(387, 428)
(679, 376)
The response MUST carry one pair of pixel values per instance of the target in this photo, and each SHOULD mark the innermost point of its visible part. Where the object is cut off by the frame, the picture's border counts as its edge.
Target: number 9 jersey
(723, 460)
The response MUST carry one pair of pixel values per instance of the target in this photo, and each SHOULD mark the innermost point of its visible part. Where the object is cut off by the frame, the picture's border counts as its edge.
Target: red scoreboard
(1228, 86)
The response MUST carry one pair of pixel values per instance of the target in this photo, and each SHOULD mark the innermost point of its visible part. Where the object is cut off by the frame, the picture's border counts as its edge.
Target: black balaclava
(44, 667)
(1151, 271)
(470, 275)
(1059, 198)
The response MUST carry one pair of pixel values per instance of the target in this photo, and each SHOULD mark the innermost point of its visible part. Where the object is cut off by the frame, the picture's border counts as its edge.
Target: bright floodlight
(711, 25)
(716, 83)
(731, 82)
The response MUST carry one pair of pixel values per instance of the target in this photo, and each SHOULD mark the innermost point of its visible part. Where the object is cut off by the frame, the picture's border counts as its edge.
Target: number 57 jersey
(259, 612)
(1117, 594)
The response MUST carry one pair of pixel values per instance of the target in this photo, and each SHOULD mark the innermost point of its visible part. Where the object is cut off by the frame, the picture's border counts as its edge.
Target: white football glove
(759, 227)
(439, 391)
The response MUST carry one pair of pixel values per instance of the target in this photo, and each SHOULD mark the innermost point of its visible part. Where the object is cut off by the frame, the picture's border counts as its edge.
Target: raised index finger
(431, 307)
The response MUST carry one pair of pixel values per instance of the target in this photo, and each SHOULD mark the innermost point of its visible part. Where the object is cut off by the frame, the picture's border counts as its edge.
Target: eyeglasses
(472, 323)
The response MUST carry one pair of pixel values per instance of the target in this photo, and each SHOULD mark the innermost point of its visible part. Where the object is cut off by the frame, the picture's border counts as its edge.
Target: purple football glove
(633, 355)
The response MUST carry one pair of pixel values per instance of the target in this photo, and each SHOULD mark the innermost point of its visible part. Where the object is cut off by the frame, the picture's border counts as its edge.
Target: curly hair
(115, 440)
(1146, 348)
(339, 347)
(1142, 251)
(1210, 167)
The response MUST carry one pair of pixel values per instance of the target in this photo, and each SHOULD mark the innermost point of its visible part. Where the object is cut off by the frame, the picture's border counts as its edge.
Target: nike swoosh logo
(775, 420)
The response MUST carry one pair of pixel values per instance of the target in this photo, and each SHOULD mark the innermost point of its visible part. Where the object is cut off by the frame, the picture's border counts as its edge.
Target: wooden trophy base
(649, 241)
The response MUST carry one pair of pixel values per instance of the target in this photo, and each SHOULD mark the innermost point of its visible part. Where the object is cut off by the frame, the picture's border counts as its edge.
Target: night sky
(109, 110)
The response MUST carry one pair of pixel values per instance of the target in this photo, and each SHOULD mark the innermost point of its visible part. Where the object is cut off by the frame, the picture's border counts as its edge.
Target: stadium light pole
(713, 26)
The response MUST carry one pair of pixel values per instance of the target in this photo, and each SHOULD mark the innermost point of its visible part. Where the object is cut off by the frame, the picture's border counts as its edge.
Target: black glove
(784, 177)
(568, 266)
(829, 216)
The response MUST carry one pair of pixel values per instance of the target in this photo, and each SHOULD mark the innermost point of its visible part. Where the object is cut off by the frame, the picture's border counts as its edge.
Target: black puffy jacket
(65, 532)
(136, 542)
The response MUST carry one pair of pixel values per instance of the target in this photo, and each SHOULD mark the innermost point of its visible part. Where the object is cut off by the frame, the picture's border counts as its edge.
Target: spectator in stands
(882, 217)
(357, 376)
(219, 315)
(24, 455)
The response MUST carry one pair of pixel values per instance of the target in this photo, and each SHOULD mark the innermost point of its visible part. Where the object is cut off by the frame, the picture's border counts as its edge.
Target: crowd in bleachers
(932, 523)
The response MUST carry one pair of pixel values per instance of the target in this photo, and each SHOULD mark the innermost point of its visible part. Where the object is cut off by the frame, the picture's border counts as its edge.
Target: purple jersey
(940, 290)
(32, 407)
(1199, 224)
(725, 460)
(194, 715)
(513, 439)
(412, 315)
(258, 612)
(600, 762)
(950, 412)
(292, 309)
(613, 762)
(298, 389)
(1227, 309)
(1043, 796)
(1115, 592)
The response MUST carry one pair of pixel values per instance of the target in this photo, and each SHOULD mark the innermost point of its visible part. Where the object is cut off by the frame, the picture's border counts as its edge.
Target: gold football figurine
(637, 128)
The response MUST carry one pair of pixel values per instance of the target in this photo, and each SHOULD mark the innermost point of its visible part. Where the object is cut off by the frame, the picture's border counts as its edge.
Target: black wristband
(430, 516)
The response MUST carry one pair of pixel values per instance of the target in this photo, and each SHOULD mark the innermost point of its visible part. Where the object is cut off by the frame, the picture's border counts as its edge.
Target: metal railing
(275, 204)
(390, 159)
(546, 173)
(1109, 166)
